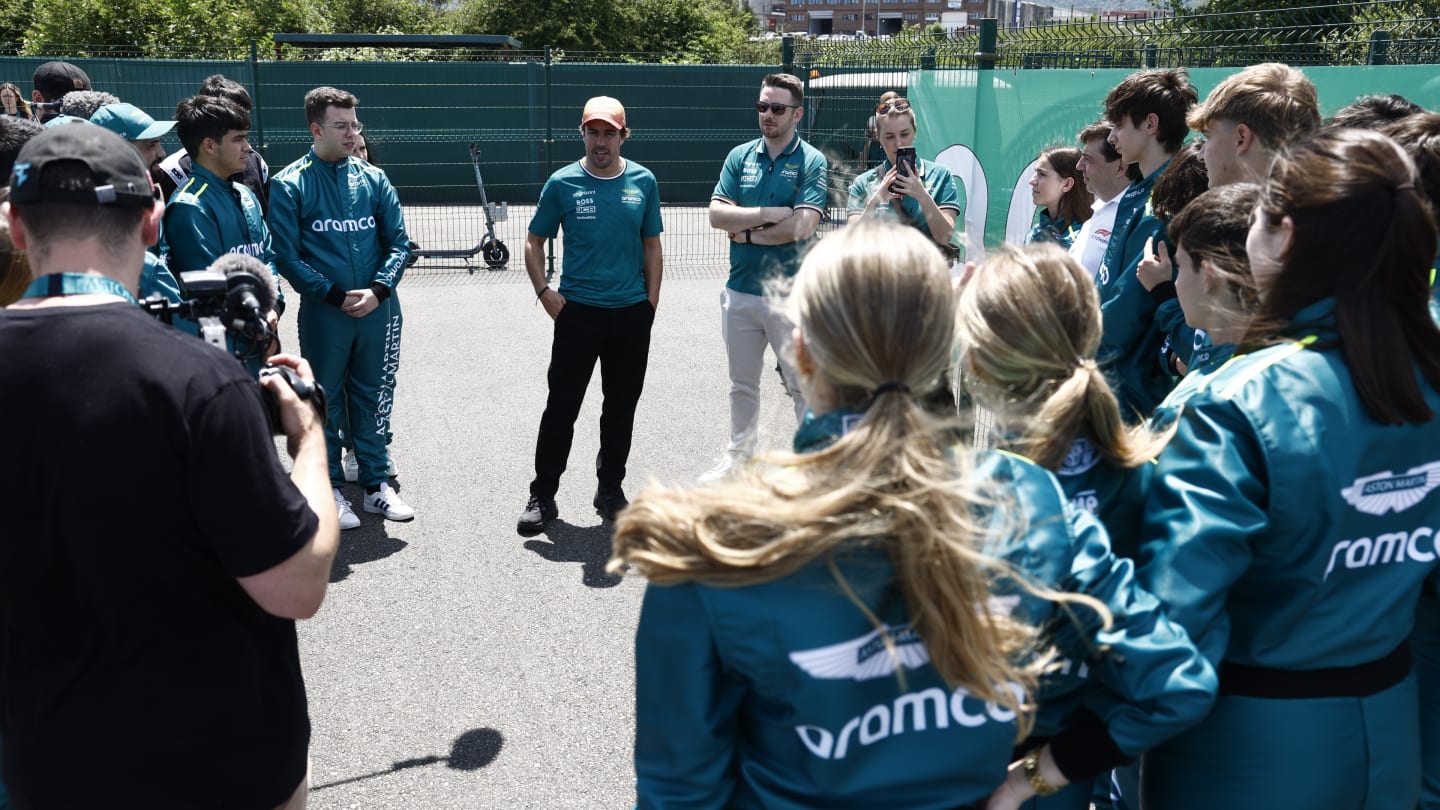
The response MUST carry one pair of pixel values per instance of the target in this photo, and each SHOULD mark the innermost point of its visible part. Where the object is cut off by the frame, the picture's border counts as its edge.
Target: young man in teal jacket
(340, 241)
(1148, 112)
(209, 216)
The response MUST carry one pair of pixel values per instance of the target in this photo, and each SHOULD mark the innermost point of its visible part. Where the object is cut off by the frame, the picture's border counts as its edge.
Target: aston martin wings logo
(864, 658)
(1079, 459)
(1388, 492)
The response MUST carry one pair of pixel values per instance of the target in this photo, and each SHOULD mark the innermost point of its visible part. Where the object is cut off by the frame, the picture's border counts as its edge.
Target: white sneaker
(386, 501)
(348, 518)
(351, 466)
(728, 464)
(391, 471)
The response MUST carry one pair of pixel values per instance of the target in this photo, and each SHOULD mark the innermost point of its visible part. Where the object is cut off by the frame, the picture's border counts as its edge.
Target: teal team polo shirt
(938, 182)
(604, 220)
(797, 178)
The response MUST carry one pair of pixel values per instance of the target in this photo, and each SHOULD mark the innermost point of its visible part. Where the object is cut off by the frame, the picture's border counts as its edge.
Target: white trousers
(747, 324)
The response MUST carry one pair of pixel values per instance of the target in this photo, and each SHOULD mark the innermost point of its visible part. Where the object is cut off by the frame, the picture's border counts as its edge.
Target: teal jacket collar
(1314, 319)
(819, 432)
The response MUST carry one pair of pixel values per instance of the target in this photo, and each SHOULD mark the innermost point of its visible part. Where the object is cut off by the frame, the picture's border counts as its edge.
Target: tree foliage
(713, 30)
(680, 29)
(217, 27)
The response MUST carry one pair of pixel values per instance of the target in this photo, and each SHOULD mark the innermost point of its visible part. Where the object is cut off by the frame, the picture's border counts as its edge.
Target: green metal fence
(423, 108)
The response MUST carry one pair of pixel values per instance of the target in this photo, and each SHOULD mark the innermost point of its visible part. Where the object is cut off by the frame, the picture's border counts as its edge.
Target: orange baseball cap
(604, 108)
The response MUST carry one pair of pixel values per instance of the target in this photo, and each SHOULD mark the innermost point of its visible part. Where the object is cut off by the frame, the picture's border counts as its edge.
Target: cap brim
(155, 130)
(606, 117)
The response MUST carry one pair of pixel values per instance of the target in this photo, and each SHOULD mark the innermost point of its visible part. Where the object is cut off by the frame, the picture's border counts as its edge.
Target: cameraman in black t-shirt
(148, 617)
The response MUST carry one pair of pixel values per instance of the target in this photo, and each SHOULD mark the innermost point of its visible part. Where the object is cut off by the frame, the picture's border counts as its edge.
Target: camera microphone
(250, 294)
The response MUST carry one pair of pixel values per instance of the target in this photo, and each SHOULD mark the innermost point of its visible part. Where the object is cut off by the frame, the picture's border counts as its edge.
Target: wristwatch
(747, 236)
(1031, 765)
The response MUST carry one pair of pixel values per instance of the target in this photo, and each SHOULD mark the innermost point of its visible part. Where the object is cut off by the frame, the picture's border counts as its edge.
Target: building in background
(850, 18)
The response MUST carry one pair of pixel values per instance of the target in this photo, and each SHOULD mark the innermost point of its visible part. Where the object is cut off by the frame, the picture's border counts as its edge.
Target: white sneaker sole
(353, 523)
(376, 510)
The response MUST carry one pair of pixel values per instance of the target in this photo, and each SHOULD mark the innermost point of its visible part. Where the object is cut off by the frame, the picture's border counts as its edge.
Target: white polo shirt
(1089, 245)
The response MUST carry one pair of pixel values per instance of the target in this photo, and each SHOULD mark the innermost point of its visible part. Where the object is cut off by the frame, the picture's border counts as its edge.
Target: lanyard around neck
(60, 284)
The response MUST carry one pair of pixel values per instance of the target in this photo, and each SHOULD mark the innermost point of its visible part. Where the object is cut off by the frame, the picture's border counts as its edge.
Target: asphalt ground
(454, 663)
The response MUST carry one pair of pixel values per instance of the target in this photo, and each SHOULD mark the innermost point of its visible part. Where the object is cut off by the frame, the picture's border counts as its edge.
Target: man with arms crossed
(609, 208)
(159, 631)
(771, 195)
(340, 241)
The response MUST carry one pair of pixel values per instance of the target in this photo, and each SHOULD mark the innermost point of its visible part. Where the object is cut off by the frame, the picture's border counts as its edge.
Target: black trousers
(620, 340)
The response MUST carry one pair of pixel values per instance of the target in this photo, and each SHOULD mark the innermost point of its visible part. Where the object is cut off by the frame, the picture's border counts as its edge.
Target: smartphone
(905, 159)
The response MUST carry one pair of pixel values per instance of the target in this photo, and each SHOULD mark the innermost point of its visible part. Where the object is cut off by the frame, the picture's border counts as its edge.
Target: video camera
(236, 294)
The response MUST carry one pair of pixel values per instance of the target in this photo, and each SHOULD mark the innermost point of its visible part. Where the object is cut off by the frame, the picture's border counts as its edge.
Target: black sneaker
(538, 512)
(609, 502)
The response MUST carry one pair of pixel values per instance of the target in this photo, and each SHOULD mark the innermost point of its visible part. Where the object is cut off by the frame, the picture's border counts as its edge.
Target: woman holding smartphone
(905, 187)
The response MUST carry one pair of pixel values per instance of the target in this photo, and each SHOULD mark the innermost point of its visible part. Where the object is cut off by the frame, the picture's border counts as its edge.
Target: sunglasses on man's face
(778, 109)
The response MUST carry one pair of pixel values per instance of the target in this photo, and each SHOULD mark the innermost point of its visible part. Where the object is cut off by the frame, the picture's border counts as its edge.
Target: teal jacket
(336, 227)
(208, 217)
(1207, 362)
(1135, 324)
(156, 278)
(782, 694)
(1287, 528)
(1053, 229)
(1112, 493)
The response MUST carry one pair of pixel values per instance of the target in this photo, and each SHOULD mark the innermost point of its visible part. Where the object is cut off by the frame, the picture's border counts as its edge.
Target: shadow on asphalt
(363, 545)
(471, 751)
(588, 545)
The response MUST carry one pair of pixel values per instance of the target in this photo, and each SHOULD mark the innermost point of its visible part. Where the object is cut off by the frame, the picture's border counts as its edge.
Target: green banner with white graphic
(988, 127)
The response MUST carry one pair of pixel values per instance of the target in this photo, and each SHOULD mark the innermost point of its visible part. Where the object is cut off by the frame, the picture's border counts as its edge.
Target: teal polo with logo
(603, 264)
(939, 183)
(796, 178)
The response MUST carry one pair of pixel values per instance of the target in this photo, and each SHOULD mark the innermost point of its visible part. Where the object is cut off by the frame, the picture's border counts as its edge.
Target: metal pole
(549, 156)
(1379, 48)
(986, 56)
(256, 125)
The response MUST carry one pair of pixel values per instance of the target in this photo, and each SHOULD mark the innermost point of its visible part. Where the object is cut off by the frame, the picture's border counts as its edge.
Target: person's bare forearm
(797, 228)
(653, 269)
(311, 476)
(732, 218)
(535, 261)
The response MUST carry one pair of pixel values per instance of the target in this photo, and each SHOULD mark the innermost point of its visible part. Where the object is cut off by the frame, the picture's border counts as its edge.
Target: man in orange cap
(609, 209)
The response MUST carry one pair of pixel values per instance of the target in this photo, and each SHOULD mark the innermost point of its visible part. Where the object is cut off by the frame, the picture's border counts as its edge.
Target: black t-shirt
(140, 481)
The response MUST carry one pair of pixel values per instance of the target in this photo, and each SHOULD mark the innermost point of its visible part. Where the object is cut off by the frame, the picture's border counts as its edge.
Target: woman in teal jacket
(1029, 327)
(1062, 199)
(1293, 517)
(1212, 283)
(858, 624)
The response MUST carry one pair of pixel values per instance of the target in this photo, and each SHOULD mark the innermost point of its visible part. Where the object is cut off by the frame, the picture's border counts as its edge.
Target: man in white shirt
(1105, 176)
